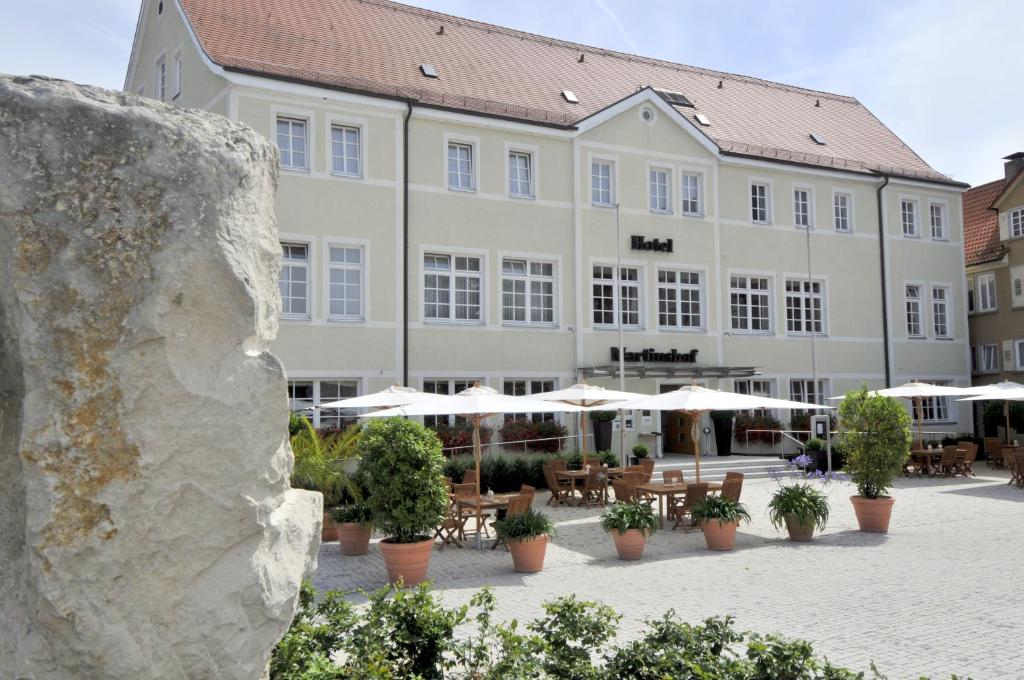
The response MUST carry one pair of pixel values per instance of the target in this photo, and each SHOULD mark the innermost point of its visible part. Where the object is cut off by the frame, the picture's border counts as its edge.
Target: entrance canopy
(668, 371)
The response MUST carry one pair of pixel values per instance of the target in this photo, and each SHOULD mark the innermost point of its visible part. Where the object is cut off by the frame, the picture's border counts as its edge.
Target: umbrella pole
(1006, 413)
(476, 459)
(583, 428)
(919, 410)
(695, 433)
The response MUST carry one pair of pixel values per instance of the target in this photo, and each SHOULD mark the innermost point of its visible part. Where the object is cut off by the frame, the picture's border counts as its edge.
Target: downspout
(405, 243)
(885, 288)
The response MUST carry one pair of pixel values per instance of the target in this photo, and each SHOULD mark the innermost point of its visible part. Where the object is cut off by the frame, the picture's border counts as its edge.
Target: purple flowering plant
(801, 500)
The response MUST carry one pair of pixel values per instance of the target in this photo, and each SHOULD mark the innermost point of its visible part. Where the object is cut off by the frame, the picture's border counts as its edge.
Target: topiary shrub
(458, 438)
(515, 433)
(402, 465)
(551, 435)
(875, 434)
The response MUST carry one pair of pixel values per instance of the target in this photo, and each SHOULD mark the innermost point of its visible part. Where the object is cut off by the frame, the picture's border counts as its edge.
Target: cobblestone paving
(940, 594)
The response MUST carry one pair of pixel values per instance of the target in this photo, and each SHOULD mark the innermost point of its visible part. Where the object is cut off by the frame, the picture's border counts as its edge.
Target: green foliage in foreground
(409, 635)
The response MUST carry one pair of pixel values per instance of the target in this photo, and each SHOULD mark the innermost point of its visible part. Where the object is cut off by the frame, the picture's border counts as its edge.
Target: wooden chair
(624, 492)
(994, 451)
(947, 463)
(517, 505)
(672, 476)
(560, 488)
(1011, 465)
(966, 459)
(527, 490)
(732, 486)
(593, 488)
(469, 477)
(558, 464)
(463, 491)
(451, 529)
(1018, 463)
(695, 494)
(647, 467)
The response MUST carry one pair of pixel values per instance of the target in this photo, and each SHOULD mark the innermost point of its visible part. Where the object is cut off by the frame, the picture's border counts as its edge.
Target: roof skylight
(570, 96)
(429, 70)
(818, 139)
(677, 98)
(702, 119)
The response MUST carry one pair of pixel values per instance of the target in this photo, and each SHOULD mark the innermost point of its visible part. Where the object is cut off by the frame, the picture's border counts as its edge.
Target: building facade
(461, 202)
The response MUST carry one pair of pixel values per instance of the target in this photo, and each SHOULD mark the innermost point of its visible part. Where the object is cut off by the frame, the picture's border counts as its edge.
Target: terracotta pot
(407, 561)
(719, 535)
(329, 531)
(354, 538)
(873, 514)
(797, 531)
(629, 545)
(528, 556)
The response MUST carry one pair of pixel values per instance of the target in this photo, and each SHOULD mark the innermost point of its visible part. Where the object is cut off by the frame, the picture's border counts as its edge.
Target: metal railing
(523, 442)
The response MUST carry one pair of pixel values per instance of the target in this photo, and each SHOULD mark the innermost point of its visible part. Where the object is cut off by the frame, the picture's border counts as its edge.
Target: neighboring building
(994, 252)
(447, 209)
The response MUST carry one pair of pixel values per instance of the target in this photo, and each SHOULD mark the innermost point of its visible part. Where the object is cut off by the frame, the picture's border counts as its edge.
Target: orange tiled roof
(981, 225)
(376, 47)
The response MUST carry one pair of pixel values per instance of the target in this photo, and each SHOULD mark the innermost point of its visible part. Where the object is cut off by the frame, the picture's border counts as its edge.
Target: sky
(946, 76)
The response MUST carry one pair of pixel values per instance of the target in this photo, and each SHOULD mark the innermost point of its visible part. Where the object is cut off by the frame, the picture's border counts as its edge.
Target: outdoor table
(925, 456)
(498, 500)
(663, 490)
(572, 476)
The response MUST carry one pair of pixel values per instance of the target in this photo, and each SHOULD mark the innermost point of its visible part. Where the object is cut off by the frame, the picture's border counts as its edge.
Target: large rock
(146, 525)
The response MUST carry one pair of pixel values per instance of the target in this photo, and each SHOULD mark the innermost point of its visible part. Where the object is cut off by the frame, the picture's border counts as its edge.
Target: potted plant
(801, 506)
(814, 450)
(719, 517)
(630, 523)
(526, 536)
(601, 423)
(639, 453)
(875, 434)
(722, 421)
(402, 467)
(355, 523)
(324, 463)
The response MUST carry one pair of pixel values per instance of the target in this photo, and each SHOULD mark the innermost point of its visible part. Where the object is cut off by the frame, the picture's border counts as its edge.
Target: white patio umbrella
(582, 394)
(695, 401)
(1005, 391)
(476, 403)
(917, 391)
(394, 395)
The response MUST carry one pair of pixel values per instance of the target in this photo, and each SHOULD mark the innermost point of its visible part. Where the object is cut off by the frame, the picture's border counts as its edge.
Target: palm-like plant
(623, 516)
(803, 503)
(723, 510)
(322, 462)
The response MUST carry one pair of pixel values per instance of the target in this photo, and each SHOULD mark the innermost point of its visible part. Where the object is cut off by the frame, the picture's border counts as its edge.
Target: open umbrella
(695, 401)
(1005, 391)
(585, 395)
(476, 403)
(916, 392)
(395, 395)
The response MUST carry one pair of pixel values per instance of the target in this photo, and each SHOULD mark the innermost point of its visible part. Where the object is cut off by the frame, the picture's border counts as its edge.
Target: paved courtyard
(940, 594)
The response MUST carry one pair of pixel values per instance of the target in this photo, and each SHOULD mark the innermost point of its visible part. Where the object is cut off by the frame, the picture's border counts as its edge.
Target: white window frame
(360, 129)
(800, 393)
(810, 206)
(767, 184)
(746, 386)
(453, 386)
(971, 296)
(531, 153)
(363, 268)
(748, 291)
(935, 406)
(528, 279)
(1018, 354)
(454, 273)
(943, 207)
(529, 389)
(177, 69)
(294, 117)
(612, 180)
(699, 198)
(315, 415)
(1015, 222)
(677, 287)
(617, 285)
(947, 311)
(308, 245)
(804, 296)
(653, 200)
(980, 298)
(915, 212)
(474, 161)
(985, 366)
(160, 77)
(848, 195)
(919, 302)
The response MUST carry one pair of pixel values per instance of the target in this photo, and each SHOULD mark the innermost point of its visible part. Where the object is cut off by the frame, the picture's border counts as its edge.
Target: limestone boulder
(147, 528)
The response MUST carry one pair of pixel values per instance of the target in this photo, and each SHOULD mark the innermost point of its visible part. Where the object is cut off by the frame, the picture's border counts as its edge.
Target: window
(460, 167)
(526, 387)
(908, 216)
(527, 292)
(443, 386)
(607, 303)
(988, 358)
(842, 204)
(940, 311)
(970, 295)
(679, 304)
(291, 140)
(935, 409)
(807, 391)
(294, 280)
(345, 282)
(749, 302)
(177, 74)
(986, 292)
(161, 78)
(937, 219)
(661, 201)
(1015, 220)
(520, 174)
(758, 388)
(913, 307)
(1019, 347)
(304, 395)
(601, 189)
(345, 150)
(691, 195)
(804, 304)
(445, 274)
(630, 422)
(759, 203)
(802, 208)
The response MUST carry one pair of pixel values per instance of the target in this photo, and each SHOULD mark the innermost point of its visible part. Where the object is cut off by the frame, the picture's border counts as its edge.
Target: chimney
(1014, 164)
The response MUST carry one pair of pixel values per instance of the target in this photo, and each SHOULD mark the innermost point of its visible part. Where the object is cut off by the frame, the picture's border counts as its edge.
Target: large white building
(450, 190)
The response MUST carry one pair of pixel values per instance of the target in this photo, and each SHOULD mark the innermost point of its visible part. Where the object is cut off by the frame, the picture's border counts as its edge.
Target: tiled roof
(376, 47)
(981, 225)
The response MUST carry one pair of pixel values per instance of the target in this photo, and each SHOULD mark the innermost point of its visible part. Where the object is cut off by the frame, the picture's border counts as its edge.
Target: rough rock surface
(146, 525)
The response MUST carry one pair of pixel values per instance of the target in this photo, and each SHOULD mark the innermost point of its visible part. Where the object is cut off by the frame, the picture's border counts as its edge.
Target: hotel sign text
(651, 355)
(641, 243)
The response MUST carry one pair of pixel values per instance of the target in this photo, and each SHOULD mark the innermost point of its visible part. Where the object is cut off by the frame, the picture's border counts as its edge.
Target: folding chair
(695, 494)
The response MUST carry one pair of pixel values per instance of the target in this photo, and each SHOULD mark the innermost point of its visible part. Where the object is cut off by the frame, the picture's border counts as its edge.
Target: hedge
(501, 473)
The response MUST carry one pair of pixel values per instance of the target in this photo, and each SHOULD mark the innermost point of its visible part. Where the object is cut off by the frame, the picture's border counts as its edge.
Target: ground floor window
(524, 387)
(808, 391)
(758, 388)
(935, 409)
(305, 397)
(446, 386)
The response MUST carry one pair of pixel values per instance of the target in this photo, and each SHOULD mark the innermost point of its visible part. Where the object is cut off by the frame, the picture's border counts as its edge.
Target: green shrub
(807, 504)
(547, 435)
(875, 434)
(721, 509)
(359, 513)
(993, 417)
(524, 526)
(403, 466)
(321, 462)
(641, 451)
(296, 423)
(603, 416)
(458, 438)
(552, 436)
(623, 516)
(814, 444)
(745, 422)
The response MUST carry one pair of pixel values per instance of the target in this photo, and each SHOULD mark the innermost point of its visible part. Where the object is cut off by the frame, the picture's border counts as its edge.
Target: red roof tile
(981, 225)
(376, 47)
